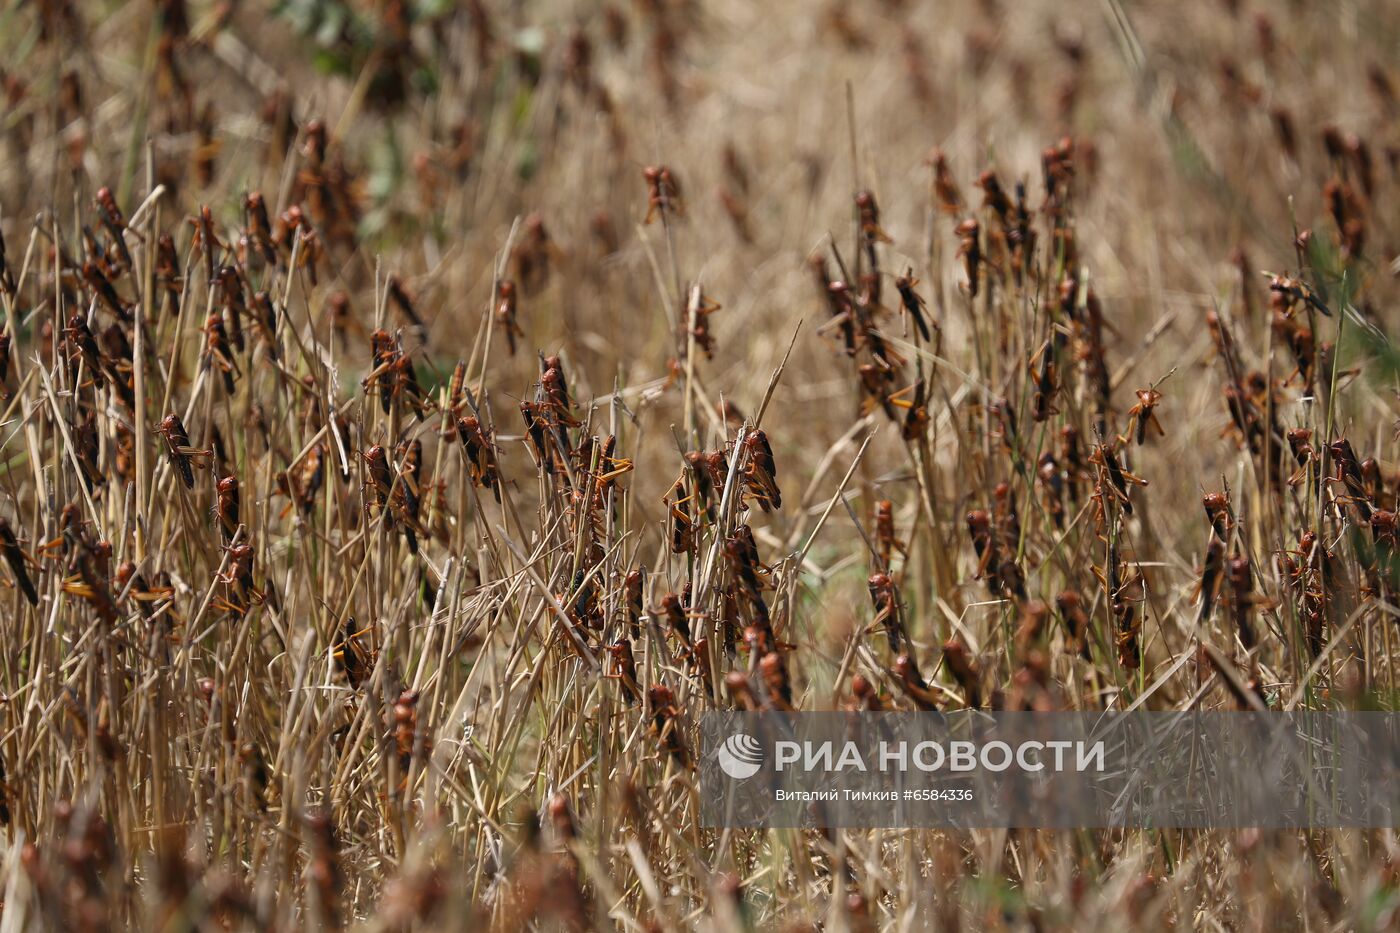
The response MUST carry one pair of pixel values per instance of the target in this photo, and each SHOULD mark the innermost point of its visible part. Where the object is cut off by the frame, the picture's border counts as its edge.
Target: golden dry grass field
(416, 415)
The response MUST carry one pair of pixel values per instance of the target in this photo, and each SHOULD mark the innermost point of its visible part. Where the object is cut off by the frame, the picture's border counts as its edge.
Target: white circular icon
(740, 756)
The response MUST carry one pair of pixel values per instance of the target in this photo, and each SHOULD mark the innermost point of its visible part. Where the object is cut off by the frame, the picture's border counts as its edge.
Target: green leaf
(331, 62)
